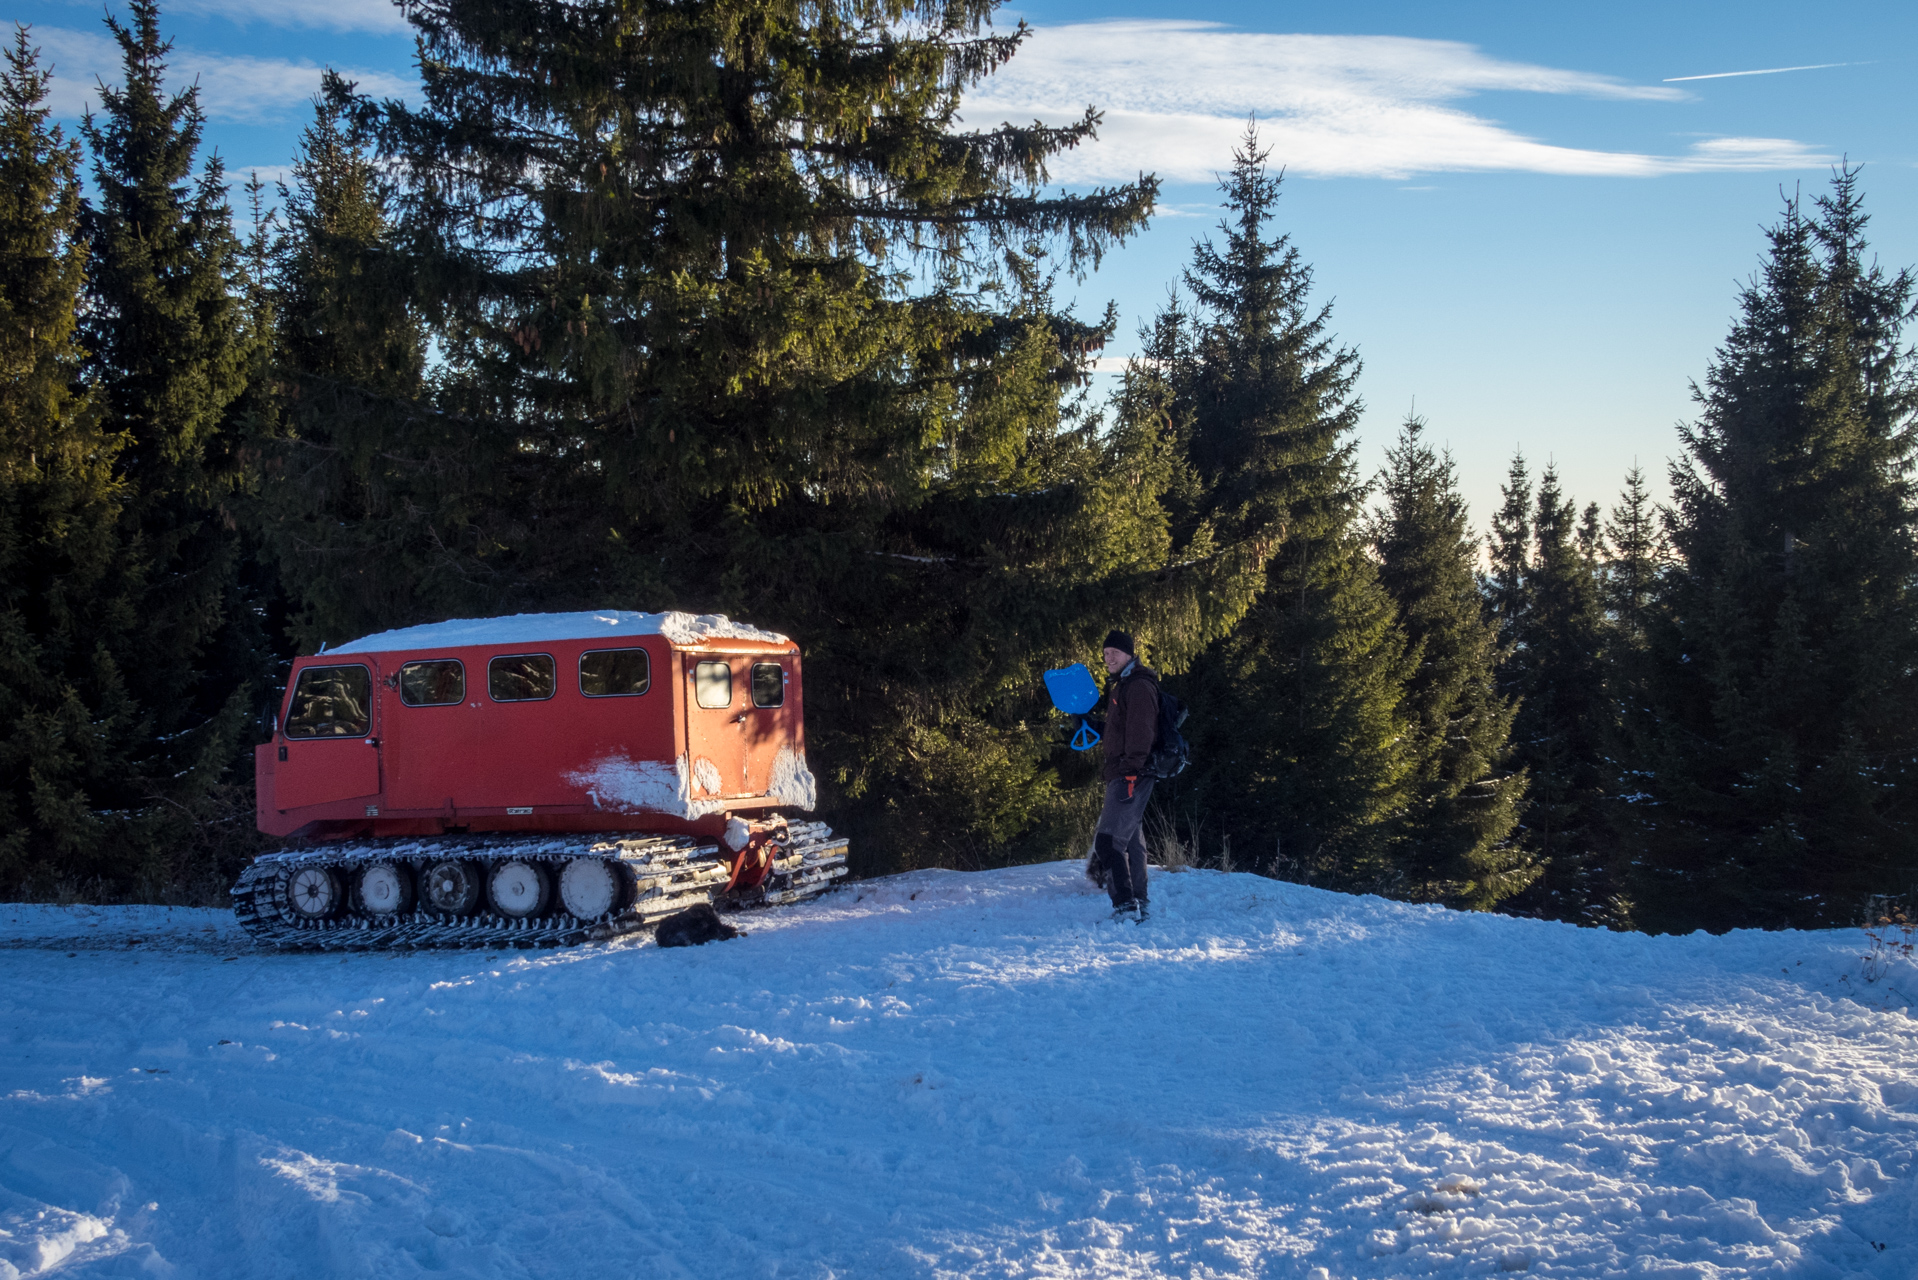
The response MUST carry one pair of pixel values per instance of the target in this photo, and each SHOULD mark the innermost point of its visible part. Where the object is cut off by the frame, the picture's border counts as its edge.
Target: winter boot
(1143, 910)
(1127, 910)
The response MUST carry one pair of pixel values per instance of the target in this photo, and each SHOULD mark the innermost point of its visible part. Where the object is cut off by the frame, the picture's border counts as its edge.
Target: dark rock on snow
(694, 927)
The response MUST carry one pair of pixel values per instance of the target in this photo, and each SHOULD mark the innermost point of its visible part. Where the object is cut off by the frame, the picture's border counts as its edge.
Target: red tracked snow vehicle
(540, 780)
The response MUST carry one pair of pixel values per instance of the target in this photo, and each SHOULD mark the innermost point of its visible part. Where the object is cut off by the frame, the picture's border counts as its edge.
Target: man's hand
(1131, 781)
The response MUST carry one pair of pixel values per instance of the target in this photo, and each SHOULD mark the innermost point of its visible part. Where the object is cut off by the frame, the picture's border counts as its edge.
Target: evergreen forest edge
(721, 309)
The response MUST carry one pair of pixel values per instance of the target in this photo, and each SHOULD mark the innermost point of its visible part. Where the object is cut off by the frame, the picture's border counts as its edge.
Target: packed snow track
(943, 1075)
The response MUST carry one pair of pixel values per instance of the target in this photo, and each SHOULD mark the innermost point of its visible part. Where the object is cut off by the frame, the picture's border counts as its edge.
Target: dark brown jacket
(1132, 722)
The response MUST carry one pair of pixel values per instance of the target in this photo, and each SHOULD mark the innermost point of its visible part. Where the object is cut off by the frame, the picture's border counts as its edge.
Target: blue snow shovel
(1075, 692)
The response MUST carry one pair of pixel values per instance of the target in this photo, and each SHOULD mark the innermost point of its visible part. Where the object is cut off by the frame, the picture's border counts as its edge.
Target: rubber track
(664, 874)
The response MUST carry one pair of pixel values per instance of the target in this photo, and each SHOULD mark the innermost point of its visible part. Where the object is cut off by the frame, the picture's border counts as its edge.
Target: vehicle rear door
(772, 717)
(717, 705)
(738, 718)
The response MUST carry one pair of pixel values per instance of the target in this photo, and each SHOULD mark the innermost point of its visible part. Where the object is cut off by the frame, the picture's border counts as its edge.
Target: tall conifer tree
(1456, 835)
(1638, 555)
(67, 577)
(1637, 635)
(1784, 737)
(1509, 553)
(169, 350)
(1298, 718)
(1542, 592)
(992, 576)
(733, 314)
(698, 262)
(341, 496)
(1563, 725)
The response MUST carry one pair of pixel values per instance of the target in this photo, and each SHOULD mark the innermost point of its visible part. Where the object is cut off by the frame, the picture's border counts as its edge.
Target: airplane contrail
(1768, 71)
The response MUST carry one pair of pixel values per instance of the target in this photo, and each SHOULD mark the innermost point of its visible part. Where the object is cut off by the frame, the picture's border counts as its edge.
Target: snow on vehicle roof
(537, 628)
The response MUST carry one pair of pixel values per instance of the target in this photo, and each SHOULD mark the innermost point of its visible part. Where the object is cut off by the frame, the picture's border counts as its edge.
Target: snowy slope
(941, 1075)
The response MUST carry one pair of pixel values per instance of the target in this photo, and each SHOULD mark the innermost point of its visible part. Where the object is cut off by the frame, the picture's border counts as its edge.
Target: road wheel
(385, 889)
(520, 889)
(452, 888)
(588, 888)
(314, 892)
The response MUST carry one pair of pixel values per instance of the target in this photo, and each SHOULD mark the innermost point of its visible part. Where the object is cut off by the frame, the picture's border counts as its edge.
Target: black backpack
(1170, 754)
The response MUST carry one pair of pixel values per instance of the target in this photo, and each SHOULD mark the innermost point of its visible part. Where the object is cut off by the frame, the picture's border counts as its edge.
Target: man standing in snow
(1131, 730)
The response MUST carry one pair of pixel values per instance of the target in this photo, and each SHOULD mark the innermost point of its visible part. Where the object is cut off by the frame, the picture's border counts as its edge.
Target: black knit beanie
(1121, 640)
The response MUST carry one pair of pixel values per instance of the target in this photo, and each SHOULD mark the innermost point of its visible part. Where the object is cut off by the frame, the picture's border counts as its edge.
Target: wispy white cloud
(1176, 96)
(331, 15)
(231, 88)
(1768, 71)
(1173, 209)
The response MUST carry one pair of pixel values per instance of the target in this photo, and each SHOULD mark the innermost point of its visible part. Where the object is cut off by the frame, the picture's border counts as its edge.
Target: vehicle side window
(438, 683)
(769, 684)
(615, 673)
(330, 702)
(713, 684)
(521, 677)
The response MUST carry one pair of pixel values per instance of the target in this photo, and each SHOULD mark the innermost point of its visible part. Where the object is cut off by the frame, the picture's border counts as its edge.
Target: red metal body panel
(654, 761)
(328, 770)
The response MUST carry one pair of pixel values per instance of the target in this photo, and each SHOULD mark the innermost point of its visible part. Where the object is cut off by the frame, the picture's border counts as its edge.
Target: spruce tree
(1298, 723)
(1780, 746)
(1542, 593)
(1636, 635)
(1509, 556)
(168, 354)
(1562, 731)
(67, 578)
(683, 263)
(1456, 844)
(731, 313)
(1305, 765)
(932, 635)
(1638, 555)
(1274, 409)
(340, 497)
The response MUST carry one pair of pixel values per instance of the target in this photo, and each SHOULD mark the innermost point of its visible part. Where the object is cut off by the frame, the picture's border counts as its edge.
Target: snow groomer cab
(453, 774)
(608, 721)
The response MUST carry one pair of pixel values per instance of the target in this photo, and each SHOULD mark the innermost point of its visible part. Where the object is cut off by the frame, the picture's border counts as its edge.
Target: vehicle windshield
(330, 702)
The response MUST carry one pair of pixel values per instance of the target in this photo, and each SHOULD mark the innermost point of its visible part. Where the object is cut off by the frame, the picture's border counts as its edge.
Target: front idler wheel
(520, 889)
(314, 893)
(385, 889)
(452, 888)
(588, 888)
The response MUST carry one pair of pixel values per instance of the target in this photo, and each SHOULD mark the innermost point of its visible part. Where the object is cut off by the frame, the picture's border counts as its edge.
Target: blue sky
(1532, 218)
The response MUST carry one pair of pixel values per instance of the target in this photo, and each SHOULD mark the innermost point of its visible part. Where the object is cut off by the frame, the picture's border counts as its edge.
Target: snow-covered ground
(944, 1074)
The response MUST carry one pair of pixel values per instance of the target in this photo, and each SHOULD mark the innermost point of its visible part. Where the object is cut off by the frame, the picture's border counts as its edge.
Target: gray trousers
(1120, 842)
